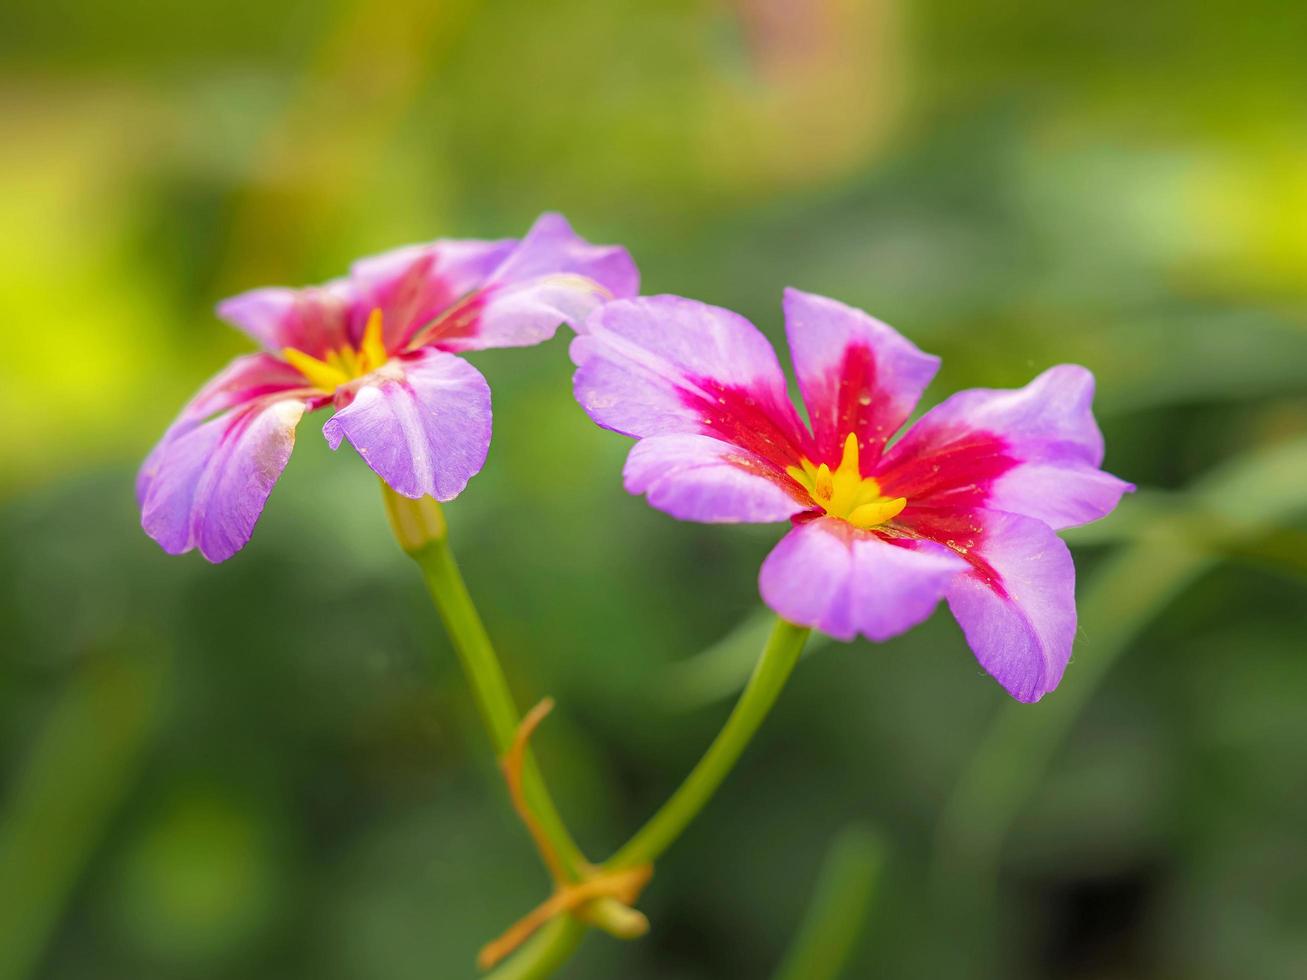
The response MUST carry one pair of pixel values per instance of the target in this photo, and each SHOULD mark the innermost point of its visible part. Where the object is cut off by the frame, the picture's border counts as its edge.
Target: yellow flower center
(844, 492)
(344, 364)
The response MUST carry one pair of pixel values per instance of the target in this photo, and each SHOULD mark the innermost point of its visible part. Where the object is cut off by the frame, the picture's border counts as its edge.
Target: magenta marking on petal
(947, 467)
(861, 407)
(551, 277)
(405, 284)
(858, 375)
(1022, 634)
(1032, 451)
(962, 530)
(313, 319)
(748, 418)
(458, 323)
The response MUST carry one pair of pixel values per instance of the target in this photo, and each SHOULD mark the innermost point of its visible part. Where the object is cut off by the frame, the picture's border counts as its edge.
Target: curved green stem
(554, 944)
(773, 669)
(419, 527)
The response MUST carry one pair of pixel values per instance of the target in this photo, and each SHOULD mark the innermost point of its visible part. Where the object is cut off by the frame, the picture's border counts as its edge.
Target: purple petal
(207, 486)
(662, 365)
(244, 380)
(1059, 494)
(1033, 451)
(553, 276)
(1017, 605)
(857, 375)
(416, 284)
(422, 423)
(314, 320)
(832, 577)
(551, 246)
(696, 478)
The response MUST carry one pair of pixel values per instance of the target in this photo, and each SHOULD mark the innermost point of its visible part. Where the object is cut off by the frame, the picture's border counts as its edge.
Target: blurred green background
(270, 768)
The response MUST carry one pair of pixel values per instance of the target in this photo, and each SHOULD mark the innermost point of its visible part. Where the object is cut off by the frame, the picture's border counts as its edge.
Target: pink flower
(379, 348)
(963, 506)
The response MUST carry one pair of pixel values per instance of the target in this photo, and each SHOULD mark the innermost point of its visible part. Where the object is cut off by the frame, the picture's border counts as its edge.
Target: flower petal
(1032, 450)
(857, 374)
(416, 284)
(314, 320)
(697, 478)
(1017, 603)
(207, 485)
(552, 276)
(663, 365)
(244, 380)
(422, 423)
(829, 575)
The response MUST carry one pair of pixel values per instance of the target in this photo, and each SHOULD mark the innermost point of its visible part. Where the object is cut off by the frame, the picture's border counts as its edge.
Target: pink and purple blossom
(379, 347)
(963, 506)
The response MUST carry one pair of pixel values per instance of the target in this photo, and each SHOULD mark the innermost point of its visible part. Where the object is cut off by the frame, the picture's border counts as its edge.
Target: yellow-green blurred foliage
(270, 768)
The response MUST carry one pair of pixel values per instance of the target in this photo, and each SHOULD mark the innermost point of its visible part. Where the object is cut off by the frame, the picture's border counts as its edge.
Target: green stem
(544, 952)
(778, 658)
(420, 529)
(554, 944)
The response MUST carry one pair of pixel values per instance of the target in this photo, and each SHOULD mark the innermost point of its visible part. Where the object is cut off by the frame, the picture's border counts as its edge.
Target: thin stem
(551, 947)
(420, 529)
(544, 952)
(773, 669)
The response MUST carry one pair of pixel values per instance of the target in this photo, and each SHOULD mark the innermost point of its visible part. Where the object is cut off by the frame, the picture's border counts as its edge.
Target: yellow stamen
(344, 364)
(320, 374)
(844, 492)
(877, 512)
(372, 351)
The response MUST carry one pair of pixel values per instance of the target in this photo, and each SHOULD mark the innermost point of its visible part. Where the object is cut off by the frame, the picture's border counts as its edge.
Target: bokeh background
(270, 768)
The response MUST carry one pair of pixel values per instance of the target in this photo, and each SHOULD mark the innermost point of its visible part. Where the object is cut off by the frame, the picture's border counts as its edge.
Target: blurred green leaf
(838, 908)
(82, 764)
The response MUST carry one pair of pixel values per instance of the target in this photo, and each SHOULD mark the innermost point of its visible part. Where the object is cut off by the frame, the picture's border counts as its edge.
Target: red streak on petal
(459, 321)
(751, 420)
(850, 400)
(243, 395)
(946, 468)
(959, 529)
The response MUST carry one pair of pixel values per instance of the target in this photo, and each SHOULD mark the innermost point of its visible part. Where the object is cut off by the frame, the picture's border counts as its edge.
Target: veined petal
(697, 478)
(1016, 604)
(833, 577)
(1033, 450)
(417, 284)
(422, 423)
(246, 379)
(314, 320)
(663, 365)
(207, 485)
(857, 375)
(552, 276)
